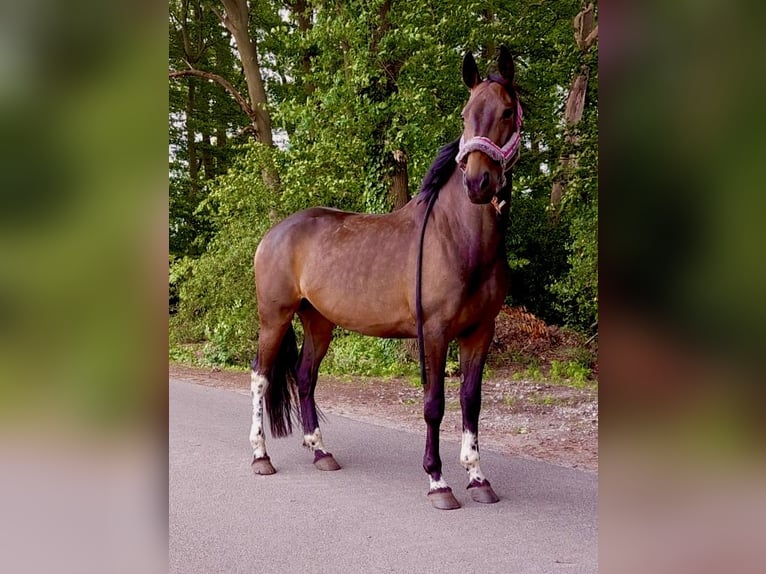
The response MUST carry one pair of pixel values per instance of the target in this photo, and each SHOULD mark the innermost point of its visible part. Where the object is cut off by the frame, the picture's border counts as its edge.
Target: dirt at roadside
(555, 423)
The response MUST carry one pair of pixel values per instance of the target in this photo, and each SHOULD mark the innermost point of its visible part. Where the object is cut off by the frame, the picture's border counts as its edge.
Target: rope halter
(506, 156)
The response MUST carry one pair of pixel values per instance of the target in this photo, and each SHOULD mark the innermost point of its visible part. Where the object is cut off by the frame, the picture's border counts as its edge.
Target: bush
(577, 292)
(216, 293)
(570, 371)
(354, 354)
(537, 248)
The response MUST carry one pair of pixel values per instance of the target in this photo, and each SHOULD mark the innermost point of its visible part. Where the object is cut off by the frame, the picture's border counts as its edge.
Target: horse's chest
(486, 287)
(480, 269)
(473, 293)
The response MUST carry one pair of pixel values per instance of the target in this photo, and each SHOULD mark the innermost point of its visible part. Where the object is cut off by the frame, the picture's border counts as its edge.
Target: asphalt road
(371, 516)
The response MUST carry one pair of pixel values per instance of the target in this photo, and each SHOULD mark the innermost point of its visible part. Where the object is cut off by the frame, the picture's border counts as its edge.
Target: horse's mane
(440, 171)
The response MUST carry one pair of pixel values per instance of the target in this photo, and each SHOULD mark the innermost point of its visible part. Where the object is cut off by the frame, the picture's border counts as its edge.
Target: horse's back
(356, 269)
(317, 230)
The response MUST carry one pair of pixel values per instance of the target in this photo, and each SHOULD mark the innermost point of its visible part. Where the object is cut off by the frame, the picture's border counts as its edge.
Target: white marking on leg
(314, 441)
(258, 384)
(437, 484)
(469, 457)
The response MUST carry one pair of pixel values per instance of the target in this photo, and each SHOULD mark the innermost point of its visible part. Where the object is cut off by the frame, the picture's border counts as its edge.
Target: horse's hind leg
(317, 336)
(271, 337)
(473, 354)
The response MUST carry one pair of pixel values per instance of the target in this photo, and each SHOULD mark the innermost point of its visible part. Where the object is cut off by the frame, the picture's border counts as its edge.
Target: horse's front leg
(439, 493)
(473, 354)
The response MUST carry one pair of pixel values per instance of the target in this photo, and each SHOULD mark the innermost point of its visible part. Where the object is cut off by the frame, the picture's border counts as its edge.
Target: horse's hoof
(483, 493)
(443, 499)
(263, 466)
(325, 461)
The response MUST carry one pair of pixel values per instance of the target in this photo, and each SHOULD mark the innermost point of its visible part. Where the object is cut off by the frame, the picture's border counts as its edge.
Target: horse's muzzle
(480, 187)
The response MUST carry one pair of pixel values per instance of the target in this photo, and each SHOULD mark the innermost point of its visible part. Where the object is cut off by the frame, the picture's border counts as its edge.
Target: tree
(209, 115)
(236, 19)
(574, 193)
(378, 70)
(363, 93)
(202, 121)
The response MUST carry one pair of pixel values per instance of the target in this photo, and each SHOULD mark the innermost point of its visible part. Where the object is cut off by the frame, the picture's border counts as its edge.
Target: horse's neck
(472, 219)
(476, 228)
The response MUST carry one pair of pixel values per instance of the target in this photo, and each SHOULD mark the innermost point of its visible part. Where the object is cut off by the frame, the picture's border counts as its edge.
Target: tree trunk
(208, 162)
(585, 27)
(576, 99)
(585, 33)
(303, 18)
(191, 142)
(396, 163)
(399, 190)
(221, 163)
(490, 48)
(236, 20)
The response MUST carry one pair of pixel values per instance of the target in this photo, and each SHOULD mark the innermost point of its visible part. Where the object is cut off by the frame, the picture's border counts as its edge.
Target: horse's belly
(385, 329)
(368, 318)
(363, 303)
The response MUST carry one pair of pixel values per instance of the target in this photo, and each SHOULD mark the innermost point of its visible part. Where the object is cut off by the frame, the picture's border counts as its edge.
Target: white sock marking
(437, 484)
(469, 456)
(314, 441)
(258, 384)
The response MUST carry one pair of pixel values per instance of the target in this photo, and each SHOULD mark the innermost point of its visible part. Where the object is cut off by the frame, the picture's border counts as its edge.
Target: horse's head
(491, 128)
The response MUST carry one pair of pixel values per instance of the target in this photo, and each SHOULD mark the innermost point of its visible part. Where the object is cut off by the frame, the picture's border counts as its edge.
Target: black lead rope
(418, 292)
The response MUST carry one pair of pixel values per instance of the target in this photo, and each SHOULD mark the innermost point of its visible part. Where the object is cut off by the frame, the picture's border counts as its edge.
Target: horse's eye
(507, 113)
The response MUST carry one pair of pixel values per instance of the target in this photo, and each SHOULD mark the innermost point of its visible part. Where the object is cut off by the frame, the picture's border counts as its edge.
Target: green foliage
(570, 371)
(183, 353)
(532, 373)
(223, 342)
(353, 354)
(202, 119)
(576, 292)
(538, 245)
(510, 400)
(382, 81)
(216, 290)
(348, 86)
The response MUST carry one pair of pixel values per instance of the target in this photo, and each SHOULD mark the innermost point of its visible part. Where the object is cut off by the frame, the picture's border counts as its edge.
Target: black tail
(282, 388)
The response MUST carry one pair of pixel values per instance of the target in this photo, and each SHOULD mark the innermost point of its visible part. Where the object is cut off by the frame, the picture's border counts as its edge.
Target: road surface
(371, 516)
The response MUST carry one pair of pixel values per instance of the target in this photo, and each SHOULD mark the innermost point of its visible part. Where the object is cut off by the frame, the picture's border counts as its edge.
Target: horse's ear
(505, 64)
(470, 70)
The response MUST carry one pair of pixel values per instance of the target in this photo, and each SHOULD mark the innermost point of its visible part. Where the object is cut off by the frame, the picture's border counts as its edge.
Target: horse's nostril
(485, 180)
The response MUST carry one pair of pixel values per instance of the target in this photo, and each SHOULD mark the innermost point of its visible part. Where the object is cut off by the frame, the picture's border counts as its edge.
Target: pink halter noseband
(506, 156)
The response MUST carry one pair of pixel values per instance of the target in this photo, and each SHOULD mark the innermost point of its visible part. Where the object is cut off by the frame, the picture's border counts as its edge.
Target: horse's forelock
(510, 88)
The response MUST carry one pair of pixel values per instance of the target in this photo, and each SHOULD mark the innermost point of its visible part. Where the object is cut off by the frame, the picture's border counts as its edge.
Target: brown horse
(393, 276)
